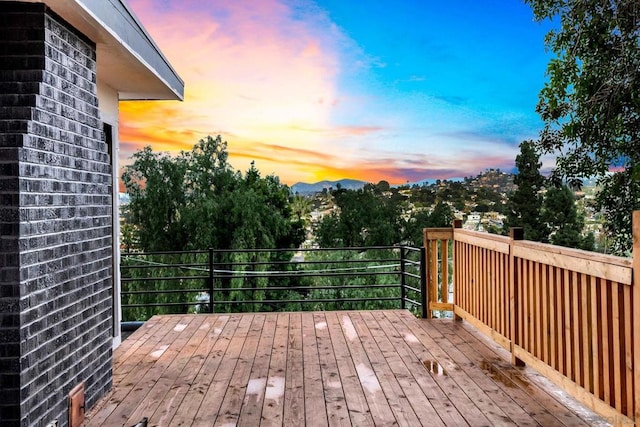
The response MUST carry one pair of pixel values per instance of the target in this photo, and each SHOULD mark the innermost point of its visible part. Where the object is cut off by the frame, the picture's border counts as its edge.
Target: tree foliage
(440, 216)
(196, 200)
(525, 202)
(376, 215)
(591, 103)
(560, 214)
(362, 218)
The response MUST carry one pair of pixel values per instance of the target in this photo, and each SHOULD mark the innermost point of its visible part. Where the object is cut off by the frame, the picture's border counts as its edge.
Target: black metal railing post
(403, 279)
(210, 281)
(423, 282)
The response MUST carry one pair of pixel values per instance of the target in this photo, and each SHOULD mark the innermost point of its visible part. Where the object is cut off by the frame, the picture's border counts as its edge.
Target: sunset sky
(328, 89)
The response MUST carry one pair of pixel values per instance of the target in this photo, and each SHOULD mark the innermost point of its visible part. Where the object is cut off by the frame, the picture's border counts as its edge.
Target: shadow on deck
(324, 368)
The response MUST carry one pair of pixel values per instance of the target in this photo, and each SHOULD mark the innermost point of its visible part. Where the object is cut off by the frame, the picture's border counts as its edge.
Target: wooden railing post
(635, 292)
(429, 249)
(457, 223)
(403, 281)
(515, 233)
(424, 299)
(436, 241)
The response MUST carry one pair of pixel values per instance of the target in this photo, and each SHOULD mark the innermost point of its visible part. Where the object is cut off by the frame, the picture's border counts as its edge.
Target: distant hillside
(305, 188)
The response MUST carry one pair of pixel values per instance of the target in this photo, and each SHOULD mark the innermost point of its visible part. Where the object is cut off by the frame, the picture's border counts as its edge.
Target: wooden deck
(324, 368)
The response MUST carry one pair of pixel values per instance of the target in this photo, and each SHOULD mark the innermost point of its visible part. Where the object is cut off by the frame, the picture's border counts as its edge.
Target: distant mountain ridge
(306, 188)
(351, 184)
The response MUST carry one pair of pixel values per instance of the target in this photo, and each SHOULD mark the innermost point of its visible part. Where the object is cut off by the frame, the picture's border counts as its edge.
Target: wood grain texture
(323, 368)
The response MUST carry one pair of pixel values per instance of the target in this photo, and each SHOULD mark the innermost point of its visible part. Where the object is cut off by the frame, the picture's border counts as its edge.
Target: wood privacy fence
(568, 313)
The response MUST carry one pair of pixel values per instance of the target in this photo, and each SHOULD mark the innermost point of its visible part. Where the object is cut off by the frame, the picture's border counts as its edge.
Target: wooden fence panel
(591, 349)
(568, 313)
(436, 243)
(484, 282)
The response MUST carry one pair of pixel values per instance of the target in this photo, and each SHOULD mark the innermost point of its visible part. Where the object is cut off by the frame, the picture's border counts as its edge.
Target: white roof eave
(128, 59)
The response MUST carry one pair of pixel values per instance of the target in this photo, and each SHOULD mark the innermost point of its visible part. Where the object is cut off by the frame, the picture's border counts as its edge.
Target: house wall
(109, 113)
(55, 220)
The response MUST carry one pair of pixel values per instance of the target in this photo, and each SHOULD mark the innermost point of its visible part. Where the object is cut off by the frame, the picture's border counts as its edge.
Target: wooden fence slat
(568, 343)
(463, 282)
(530, 315)
(604, 316)
(482, 289)
(561, 319)
(504, 297)
(467, 282)
(615, 320)
(537, 318)
(494, 291)
(444, 293)
(545, 313)
(432, 261)
(464, 249)
(489, 287)
(501, 310)
(456, 274)
(522, 294)
(553, 315)
(473, 282)
(521, 299)
(635, 309)
(628, 352)
(585, 322)
(595, 337)
(576, 327)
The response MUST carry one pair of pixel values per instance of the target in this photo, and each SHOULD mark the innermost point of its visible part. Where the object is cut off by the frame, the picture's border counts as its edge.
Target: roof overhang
(128, 59)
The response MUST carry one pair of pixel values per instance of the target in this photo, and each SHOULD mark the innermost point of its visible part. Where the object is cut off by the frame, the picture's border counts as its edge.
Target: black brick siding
(55, 219)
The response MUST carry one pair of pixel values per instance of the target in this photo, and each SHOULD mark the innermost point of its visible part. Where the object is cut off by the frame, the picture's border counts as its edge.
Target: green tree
(526, 201)
(197, 201)
(301, 208)
(440, 216)
(364, 217)
(561, 217)
(155, 184)
(591, 103)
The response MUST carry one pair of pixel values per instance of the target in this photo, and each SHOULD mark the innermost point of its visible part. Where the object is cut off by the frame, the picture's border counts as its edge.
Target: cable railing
(265, 280)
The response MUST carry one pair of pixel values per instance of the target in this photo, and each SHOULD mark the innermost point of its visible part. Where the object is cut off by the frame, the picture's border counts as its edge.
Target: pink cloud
(251, 68)
(266, 79)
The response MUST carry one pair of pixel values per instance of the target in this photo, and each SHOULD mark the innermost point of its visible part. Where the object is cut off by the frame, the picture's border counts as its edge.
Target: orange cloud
(252, 69)
(266, 78)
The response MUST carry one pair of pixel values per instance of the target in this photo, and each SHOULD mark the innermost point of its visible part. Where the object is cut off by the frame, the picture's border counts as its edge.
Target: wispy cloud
(251, 69)
(286, 86)
(453, 99)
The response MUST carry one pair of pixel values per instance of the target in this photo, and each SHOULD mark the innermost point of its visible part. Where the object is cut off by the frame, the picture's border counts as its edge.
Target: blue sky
(328, 89)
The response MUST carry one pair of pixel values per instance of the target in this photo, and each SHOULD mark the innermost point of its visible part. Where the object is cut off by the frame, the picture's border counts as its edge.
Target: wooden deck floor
(324, 368)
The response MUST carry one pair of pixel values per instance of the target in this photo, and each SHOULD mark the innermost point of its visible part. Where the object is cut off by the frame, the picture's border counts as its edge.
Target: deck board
(337, 411)
(273, 405)
(324, 368)
(294, 395)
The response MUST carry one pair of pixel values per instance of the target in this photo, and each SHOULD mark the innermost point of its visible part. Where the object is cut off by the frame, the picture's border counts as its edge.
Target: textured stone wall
(55, 219)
